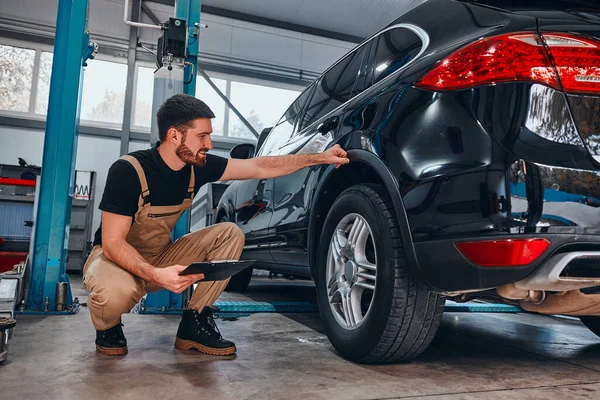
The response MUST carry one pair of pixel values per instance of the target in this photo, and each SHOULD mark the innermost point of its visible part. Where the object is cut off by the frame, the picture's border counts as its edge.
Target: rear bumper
(443, 268)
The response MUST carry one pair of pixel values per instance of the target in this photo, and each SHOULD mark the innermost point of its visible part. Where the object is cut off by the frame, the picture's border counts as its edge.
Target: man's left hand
(335, 155)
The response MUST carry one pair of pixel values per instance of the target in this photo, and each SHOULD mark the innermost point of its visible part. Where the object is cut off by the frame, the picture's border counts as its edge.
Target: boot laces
(213, 329)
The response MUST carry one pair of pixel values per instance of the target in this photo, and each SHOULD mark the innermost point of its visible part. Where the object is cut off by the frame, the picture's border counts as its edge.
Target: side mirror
(243, 151)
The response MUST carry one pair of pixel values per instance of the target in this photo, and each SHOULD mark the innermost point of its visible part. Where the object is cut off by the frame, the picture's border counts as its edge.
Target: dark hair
(179, 111)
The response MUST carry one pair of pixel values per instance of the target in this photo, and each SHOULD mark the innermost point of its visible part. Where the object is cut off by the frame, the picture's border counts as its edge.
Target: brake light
(504, 58)
(577, 60)
(556, 58)
(503, 253)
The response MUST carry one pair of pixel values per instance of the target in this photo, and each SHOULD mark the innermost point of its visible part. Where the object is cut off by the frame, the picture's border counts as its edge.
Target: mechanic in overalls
(145, 195)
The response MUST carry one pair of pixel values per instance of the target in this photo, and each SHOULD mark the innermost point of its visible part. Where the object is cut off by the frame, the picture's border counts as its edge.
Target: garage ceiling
(351, 20)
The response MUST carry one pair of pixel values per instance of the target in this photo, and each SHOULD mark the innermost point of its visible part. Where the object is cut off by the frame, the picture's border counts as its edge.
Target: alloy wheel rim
(351, 273)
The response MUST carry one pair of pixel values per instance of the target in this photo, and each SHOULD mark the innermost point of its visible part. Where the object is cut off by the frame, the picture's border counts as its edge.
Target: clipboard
(217, 270)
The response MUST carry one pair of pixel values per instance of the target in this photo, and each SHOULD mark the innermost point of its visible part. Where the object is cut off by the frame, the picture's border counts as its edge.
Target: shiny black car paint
(511, 160)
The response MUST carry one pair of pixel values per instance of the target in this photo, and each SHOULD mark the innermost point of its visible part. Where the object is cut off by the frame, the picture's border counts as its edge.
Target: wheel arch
(364, 167)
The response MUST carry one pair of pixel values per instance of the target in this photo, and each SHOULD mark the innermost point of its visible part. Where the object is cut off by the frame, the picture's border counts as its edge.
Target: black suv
(473, 130)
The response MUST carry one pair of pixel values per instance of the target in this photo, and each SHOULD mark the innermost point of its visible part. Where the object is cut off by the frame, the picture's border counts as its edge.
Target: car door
(253, 205)
(316, 128)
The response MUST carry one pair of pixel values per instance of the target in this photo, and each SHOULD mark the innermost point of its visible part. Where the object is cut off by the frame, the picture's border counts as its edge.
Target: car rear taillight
(528, 57)
(503, 253)
(577, 60)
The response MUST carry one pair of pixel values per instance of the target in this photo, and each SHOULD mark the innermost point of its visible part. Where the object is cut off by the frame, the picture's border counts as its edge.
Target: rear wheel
(240, 281)
(373, 311)
(592, 322)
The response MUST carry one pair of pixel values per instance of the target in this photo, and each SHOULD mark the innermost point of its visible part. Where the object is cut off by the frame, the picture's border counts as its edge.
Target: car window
(283, 131)
(366, 66)
(334, 88)
(395, 48)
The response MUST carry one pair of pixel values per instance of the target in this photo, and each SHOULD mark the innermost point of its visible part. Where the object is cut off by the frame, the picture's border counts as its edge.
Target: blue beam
(71, 49)
(190, 11)
(165, 301)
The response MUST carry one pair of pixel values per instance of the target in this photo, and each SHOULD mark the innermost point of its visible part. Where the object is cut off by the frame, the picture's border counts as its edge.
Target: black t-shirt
(167, 187)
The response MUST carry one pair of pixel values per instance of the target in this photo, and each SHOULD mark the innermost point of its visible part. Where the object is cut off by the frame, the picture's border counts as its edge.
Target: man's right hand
(170, 279)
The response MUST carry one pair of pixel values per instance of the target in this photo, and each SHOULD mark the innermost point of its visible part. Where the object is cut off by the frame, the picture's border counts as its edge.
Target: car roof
(538, 5)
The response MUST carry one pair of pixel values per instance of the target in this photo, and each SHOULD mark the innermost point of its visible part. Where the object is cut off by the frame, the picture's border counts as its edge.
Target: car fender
(390, 183)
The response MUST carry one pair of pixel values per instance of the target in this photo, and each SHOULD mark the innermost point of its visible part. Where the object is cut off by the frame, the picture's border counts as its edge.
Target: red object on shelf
(17, 182)
(8, 259)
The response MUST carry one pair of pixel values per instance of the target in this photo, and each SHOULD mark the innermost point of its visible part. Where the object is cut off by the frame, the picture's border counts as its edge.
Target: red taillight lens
(503, 253)
(504, 58)
(577, 60)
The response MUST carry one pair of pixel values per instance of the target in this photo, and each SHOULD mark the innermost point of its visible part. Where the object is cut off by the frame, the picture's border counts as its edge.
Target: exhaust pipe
(573, 303)
(547, 292)
(512, 292)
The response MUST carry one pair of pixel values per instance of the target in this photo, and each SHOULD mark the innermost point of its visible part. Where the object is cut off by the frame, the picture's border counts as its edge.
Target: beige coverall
(114, 291)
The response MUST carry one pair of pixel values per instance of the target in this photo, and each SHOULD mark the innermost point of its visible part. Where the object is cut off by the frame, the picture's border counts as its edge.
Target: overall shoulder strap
(192, 185)
(145, 193)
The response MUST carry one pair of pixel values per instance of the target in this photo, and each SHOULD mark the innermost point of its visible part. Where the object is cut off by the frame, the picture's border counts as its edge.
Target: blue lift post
(164, 301)
(72, 47)
(190, 10)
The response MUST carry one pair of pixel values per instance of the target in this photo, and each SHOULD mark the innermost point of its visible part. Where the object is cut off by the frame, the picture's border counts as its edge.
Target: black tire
(592, 323)
(405, 315)
(240, 281)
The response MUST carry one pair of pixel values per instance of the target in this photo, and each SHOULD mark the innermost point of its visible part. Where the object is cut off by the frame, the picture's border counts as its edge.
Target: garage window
(261, 105)
(334, 88)
(103, 98)
(16, 76)
(207, 94)
(395, 48)
(285, 128)
(43, 88)
(142, 106)
(142, 111)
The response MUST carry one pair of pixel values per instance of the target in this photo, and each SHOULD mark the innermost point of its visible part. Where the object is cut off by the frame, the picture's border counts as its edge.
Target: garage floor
(474, 356)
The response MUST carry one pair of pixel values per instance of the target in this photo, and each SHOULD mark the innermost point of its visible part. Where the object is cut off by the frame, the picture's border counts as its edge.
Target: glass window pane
(142, 113)
(43, 88)
(262, 106)
(394, 50)
(283, 132)
(16, 74)
(103, 97)
(334, 88)
(207, 94)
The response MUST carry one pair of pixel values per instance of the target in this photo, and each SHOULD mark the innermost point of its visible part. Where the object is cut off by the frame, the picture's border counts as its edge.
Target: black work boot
(198, 330)
(111, 342)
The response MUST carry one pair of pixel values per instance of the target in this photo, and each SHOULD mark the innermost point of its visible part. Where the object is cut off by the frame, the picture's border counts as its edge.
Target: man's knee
(113, 300)
(233, 232)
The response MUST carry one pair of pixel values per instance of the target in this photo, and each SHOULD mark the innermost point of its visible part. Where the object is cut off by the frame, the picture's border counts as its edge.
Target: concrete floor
(474, 356)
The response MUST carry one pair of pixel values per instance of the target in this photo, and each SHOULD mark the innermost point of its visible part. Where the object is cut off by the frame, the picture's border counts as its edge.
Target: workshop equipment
(6, 325)
(17, 202)
(12, 284)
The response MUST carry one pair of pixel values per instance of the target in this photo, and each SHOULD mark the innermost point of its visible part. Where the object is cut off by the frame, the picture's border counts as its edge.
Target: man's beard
(187, 156)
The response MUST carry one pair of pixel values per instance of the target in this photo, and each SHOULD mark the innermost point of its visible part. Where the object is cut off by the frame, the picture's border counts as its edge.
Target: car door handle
(328, 125)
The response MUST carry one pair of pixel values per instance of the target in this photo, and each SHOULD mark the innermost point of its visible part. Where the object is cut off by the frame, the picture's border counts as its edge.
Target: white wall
(19, 142)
